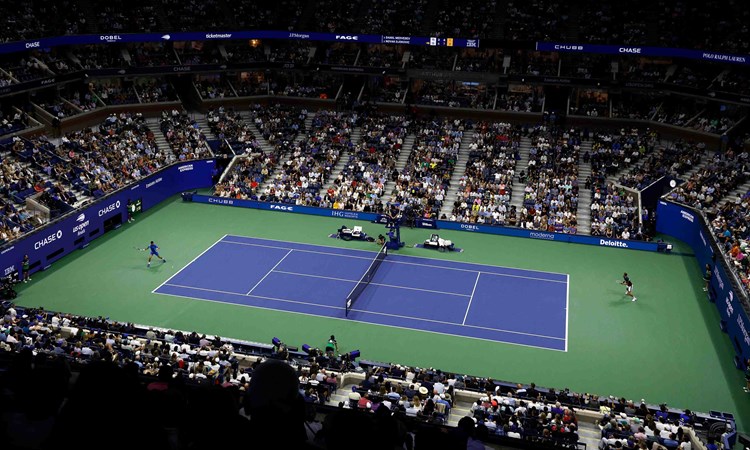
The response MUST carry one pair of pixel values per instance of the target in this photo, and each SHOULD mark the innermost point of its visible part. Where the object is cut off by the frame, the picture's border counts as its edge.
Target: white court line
(390, 261)
(269, 272)
(185, 266)
(567, 311)
(372, 284)
(256, 296)
(400, 256)
(317, 276)
(471, 298)
(361, 321)
(398, 316)
(369, 258)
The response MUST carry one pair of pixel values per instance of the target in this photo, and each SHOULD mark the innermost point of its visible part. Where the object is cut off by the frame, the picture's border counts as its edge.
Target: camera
(7, 291)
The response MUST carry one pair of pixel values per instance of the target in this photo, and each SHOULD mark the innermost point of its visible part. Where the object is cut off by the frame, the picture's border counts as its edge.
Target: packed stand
(394, 16)
(602, 22)
(184, 136)
(614, 213)
(229, 125)
(248, 174)
(674, 159)
(612, 152)
(531, 21)
(119, 151)
(26, 20)
(332, 16)
(41, 156)
(169, 378)
(550, 201)
(278, 124)
(474, 19)
(723, 173)
(17, 181)
(729, 224)
(486, 187)
(422, 184)
(308, 168)
(134, 16)
(371, 163)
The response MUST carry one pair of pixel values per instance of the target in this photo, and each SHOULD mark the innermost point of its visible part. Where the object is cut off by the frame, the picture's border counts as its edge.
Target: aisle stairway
(355, 137)
(400, 165)
(161, 142)
(516, 198)
(583, 214)
(458, 172)
(738, 192)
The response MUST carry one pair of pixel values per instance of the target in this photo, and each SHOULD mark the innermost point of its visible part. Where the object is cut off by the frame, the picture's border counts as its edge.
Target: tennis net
(365, 280)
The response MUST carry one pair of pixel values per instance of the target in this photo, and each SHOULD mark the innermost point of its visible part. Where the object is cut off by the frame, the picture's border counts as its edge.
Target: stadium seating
(193, 367)
(485, 189)
(424, 180)
(287, 154)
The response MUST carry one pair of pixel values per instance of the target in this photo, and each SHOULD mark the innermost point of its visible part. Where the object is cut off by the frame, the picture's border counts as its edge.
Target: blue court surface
(514, 306)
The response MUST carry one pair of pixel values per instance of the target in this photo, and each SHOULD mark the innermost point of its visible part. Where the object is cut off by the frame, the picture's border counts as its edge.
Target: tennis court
(500, 304)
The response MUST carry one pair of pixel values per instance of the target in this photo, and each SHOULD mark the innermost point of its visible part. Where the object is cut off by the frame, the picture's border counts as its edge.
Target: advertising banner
(440, 224)
(118, 38)
(77, 229)
(689, 226)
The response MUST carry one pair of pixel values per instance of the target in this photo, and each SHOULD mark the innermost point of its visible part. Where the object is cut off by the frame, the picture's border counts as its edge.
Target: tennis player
(154, 252)
(625, 279)
(629, 289)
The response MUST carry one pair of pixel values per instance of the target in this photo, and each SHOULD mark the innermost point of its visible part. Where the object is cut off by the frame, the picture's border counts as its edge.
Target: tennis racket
(140, 249)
